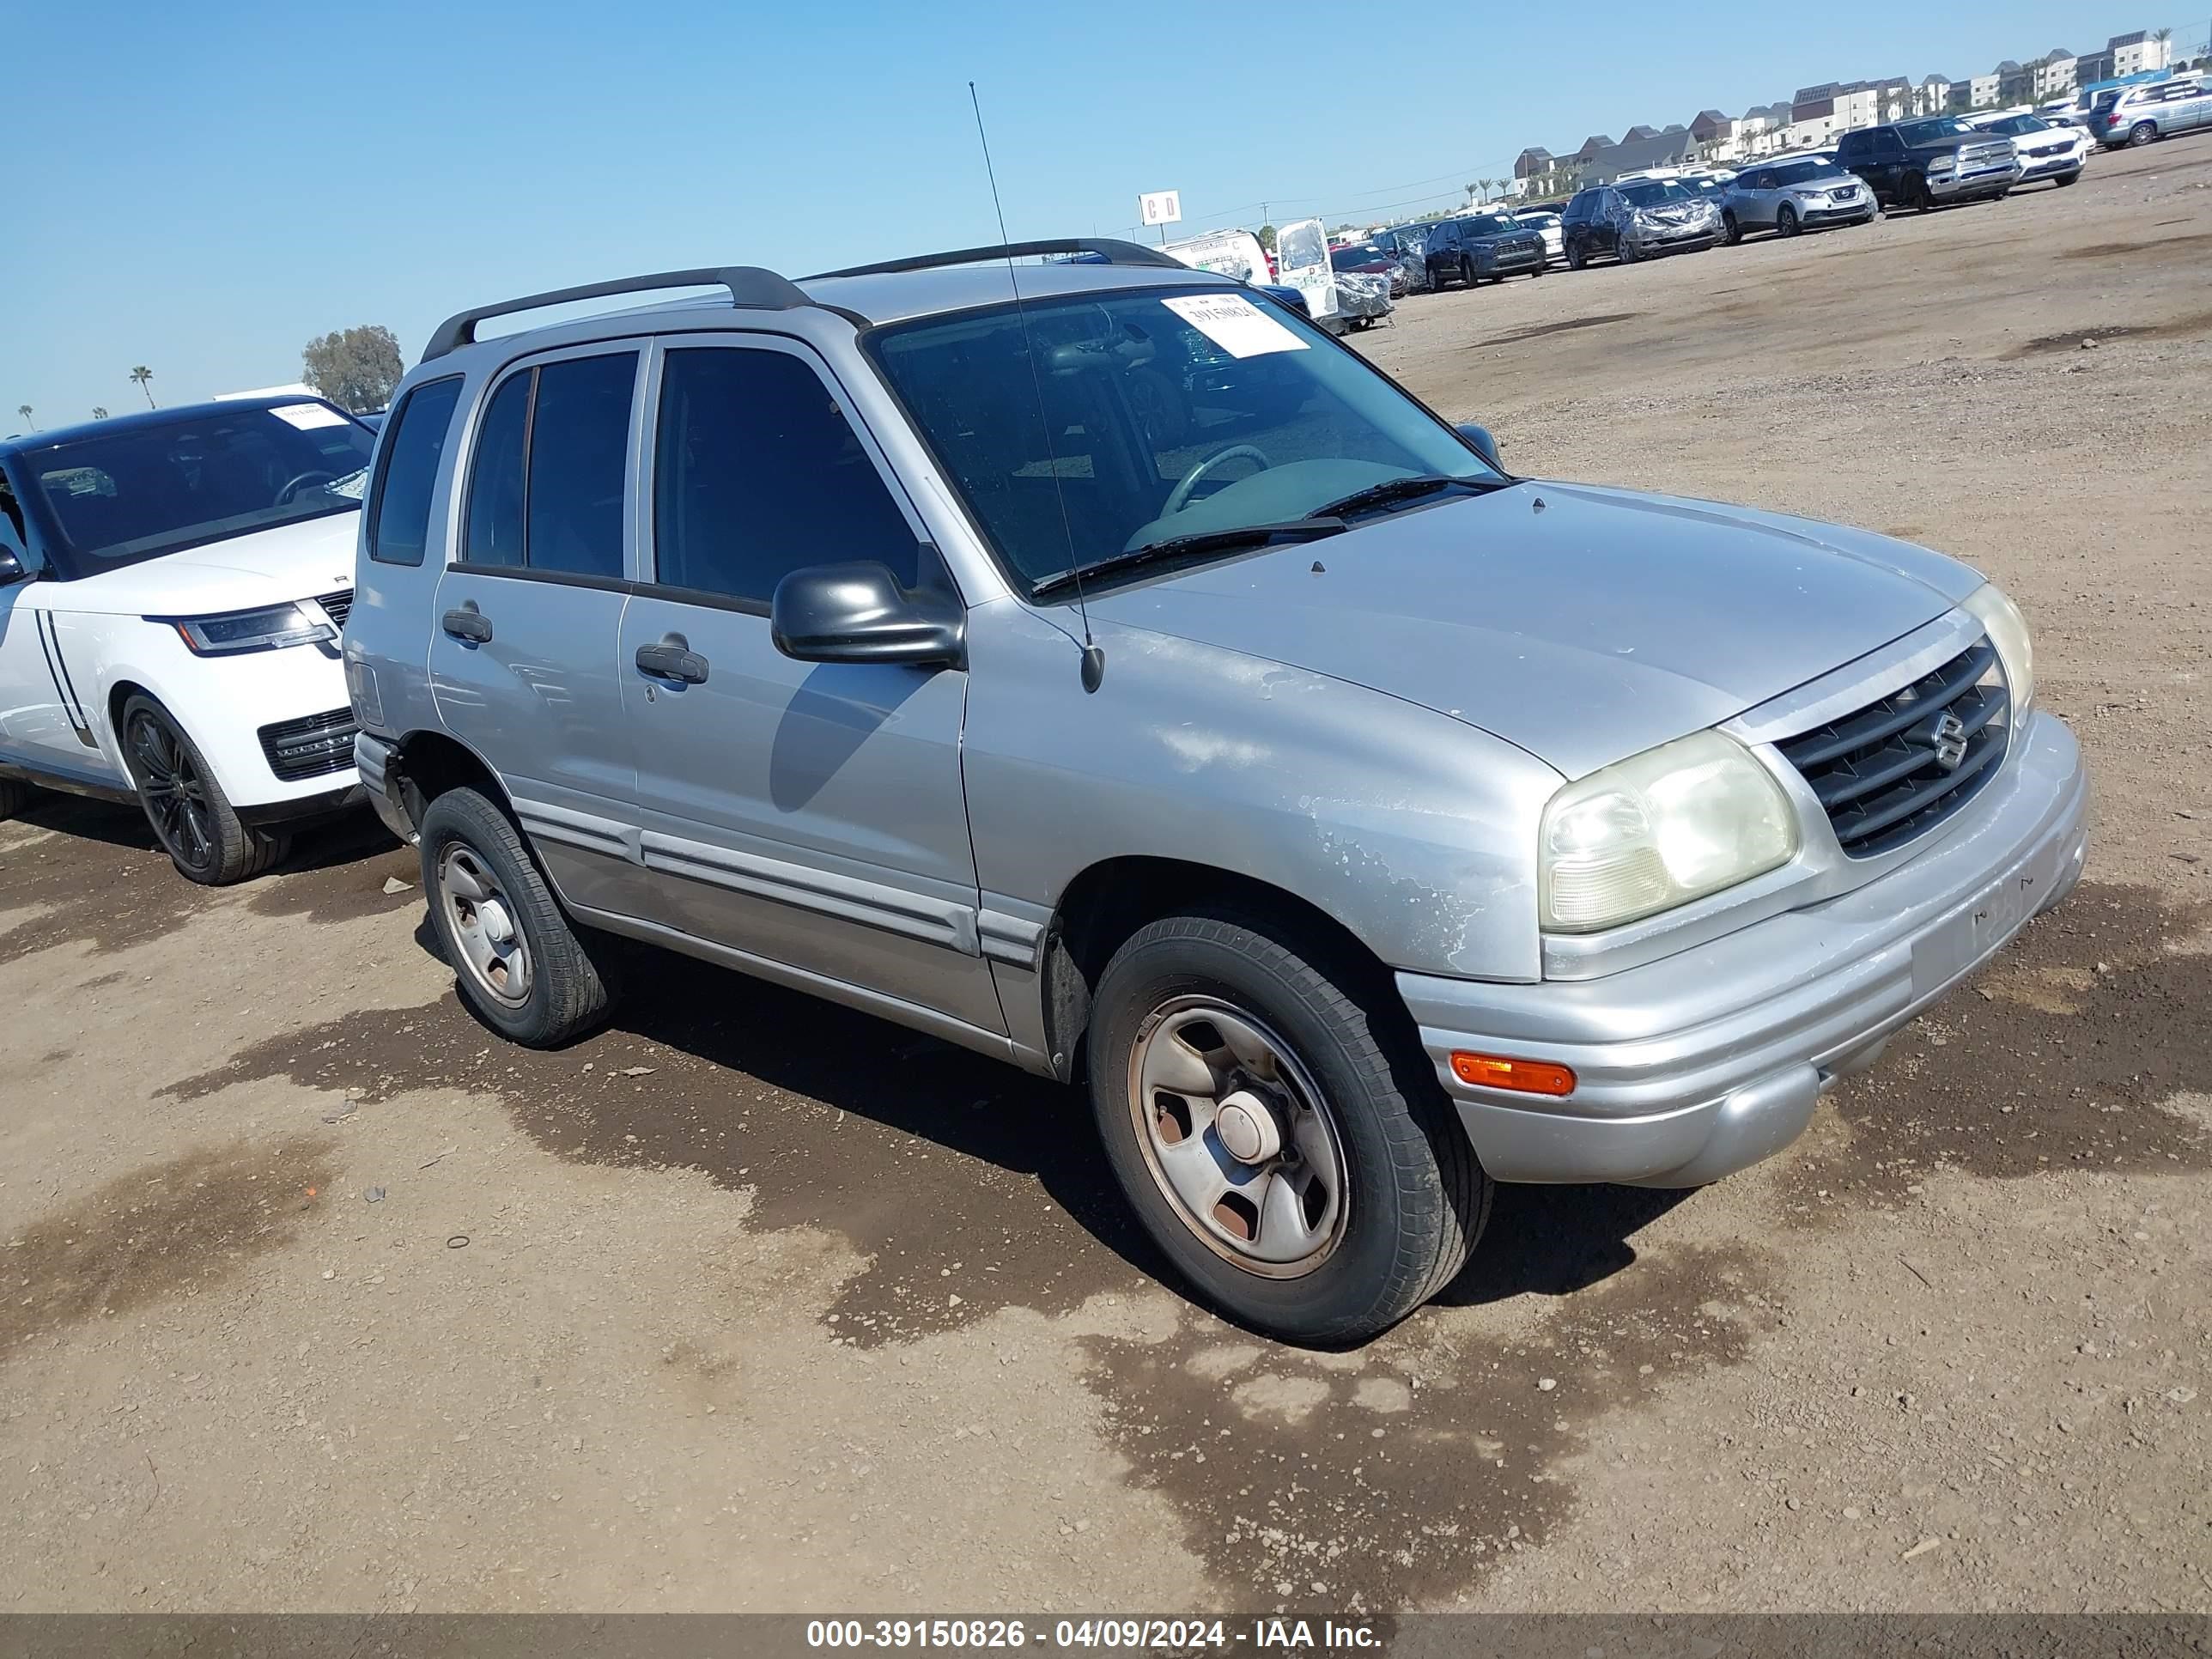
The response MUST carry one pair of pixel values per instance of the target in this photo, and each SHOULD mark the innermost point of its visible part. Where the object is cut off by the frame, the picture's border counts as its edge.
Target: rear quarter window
(407, 473)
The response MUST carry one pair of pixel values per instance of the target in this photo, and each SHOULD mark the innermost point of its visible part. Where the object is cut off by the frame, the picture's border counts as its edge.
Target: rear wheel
(1785, 221)
(1286, 1148)
(519, 964)
(2144, 132)
(192, 818)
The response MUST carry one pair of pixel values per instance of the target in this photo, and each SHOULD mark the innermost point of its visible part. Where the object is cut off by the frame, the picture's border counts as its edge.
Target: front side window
(757, 472)
(1117, 421)
(158, 487)
(399, 523)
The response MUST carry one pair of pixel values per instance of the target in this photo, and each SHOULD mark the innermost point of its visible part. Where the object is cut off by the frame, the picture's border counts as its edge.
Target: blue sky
(202, 188)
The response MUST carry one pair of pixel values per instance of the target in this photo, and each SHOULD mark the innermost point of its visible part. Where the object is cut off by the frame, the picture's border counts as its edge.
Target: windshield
(1350, 258)
(144, 490)
(1491, 224)
(1143, 416)
(1797, 173)
(2013, 125)
(1651, 192)
(1939, 126)
(1539, 220)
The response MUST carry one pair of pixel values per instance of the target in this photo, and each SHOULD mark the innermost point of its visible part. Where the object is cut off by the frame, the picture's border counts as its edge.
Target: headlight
(2008, 631)
(1659, 829)
(236, 631)
(1942, 163)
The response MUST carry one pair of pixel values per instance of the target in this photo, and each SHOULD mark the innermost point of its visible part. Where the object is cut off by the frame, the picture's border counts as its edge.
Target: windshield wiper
(1400, 490)
(1308, 529)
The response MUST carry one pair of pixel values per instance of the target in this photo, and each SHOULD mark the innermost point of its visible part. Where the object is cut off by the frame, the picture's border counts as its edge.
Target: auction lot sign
(1413, 1635)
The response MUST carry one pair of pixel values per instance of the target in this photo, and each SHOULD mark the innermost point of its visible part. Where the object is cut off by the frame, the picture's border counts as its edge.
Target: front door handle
(673, 659)
(468, 623)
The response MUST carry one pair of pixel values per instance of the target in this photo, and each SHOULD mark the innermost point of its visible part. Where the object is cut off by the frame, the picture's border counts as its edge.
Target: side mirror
(12, 569)
(857, 612)
(1485, 444)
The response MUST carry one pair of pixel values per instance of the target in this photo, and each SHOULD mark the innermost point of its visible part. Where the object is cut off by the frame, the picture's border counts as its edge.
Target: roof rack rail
(750, 286)
(1115, 254)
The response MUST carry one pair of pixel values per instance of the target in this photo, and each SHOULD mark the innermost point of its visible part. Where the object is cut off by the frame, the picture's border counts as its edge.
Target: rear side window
(579, 448)
(495, 527)
(399, 522)
(758, 473)
(552, 453)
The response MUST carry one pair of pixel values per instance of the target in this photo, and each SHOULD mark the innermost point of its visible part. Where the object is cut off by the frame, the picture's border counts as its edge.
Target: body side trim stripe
(848, 898)
(50, 640)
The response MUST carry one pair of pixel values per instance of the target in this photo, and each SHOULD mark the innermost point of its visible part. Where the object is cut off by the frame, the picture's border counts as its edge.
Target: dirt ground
(314, 1296)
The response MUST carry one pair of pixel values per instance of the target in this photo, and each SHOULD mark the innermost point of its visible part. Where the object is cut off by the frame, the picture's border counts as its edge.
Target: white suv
(172, 589)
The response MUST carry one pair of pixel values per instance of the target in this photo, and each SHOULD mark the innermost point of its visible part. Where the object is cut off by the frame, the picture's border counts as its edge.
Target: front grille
(1879, 772)
(1984, 155)
(338, 607)
(310, 746)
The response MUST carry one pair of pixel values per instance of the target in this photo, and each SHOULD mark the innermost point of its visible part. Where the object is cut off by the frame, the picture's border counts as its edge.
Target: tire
(545, 986)
(2066, 179)
(1916, 196)
(1731, 231)
(2144, 132)
(1574, 256)
(15, 796)
(1355, 1087)
(1624, 250)
(190, 815)
(1466, 272)
(1785, 221)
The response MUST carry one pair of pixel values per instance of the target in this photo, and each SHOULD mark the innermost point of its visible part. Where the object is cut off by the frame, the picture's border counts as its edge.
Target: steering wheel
(292, 486)
(1179, 497)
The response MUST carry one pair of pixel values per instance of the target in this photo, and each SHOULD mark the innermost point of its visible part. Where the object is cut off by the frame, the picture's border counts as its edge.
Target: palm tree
(1473, 185)
(24, 409)
(140, 378)
(99, 412)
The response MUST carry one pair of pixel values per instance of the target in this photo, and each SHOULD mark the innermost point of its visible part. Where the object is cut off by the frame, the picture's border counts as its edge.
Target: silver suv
(1800, 193)
(1098, 665)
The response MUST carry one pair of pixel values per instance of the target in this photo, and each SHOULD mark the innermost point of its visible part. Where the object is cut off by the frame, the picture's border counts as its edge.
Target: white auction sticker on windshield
(307, 417)
(1235, 324)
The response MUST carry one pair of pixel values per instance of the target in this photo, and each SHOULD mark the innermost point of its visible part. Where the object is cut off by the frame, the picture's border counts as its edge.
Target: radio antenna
(1094, 657)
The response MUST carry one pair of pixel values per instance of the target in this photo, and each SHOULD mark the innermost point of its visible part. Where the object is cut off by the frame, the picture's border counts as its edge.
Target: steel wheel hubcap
(175, 794)
(1238, 1138)
(494, 952)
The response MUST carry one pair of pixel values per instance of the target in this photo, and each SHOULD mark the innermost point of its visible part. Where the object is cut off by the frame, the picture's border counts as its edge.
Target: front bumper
(1967, 187)
(1697, 1065)
(2050, 167)
(1650, 243)
(1849, 213)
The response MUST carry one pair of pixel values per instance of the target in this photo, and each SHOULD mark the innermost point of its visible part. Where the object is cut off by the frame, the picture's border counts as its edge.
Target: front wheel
(1278, 1129)
(1624, 249)
(15, 796)
(1731, 231)
(1916, 196)
(1785, 221)
(520, 966)
(2144, 132)
(1574, 256)
(2066, 179)
(1466, 273)
(192, 818)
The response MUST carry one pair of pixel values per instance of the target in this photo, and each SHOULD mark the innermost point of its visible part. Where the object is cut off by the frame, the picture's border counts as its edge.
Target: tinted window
(494, 528)
(758, 473)
(399, 528)
(579, 443)
(1853, 145)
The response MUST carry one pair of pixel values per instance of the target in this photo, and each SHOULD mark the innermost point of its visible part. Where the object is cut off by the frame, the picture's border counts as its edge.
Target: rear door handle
(468, 623)
(673, 659)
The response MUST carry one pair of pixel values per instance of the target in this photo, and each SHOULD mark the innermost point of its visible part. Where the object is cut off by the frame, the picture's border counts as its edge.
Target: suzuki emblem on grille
(1948, 738)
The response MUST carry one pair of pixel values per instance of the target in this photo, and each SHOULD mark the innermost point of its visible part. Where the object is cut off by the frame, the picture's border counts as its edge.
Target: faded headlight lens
(2007, 630)
(1659, 829)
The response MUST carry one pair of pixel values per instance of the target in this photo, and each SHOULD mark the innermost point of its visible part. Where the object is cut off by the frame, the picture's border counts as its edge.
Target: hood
(289, 562)
(1599, 625)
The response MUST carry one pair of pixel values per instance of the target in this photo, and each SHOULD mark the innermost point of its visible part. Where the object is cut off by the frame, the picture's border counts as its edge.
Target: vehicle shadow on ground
(1555, 1240)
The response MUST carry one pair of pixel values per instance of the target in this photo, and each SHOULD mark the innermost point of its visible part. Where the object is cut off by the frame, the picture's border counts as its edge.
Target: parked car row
(959, 649)
(1918, 165)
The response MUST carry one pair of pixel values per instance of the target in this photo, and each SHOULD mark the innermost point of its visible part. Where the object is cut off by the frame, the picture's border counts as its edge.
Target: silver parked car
(1360, 825)
(2142, 114)
(1791, 196)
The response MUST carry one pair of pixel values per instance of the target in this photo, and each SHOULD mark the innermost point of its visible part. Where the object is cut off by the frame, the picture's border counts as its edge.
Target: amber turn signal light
(1526, 1076)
